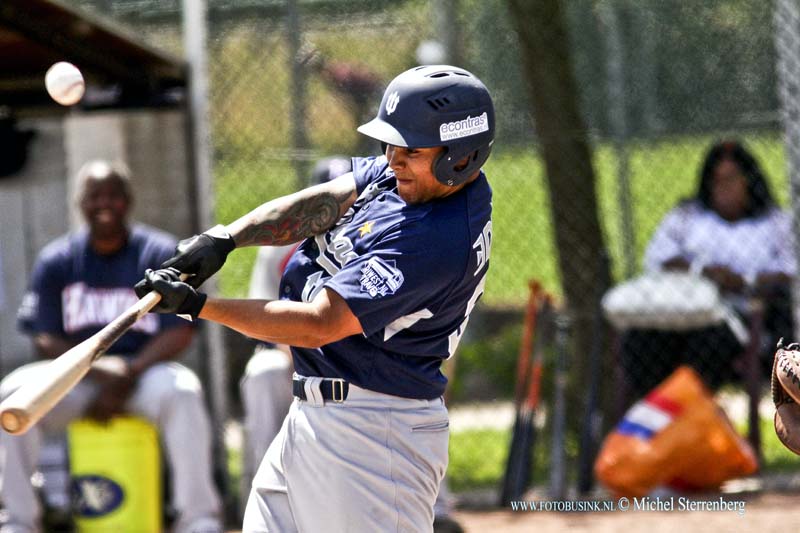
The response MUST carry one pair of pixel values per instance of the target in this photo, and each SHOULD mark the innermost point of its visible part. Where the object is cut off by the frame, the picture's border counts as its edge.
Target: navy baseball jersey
(75, 292)
(410, 273)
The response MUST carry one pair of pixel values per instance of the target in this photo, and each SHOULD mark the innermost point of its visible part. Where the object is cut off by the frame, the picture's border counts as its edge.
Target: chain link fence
(659, 83)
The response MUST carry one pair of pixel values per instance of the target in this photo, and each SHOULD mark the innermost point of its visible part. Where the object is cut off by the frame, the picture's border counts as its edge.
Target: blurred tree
(561, 132)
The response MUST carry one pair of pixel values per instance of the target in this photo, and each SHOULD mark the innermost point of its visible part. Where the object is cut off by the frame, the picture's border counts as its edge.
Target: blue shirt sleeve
(406, 273)
(40, 311)
(368, 169)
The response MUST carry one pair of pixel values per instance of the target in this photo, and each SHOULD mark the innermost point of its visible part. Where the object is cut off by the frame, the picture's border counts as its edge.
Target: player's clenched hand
(176, 296)
(202, 255)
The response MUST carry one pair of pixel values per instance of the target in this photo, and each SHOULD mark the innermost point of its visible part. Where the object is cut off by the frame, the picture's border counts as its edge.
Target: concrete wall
(32, 212)
(37, 204)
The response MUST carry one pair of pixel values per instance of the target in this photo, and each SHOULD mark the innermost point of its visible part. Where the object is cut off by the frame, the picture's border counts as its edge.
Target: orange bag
(675, 436)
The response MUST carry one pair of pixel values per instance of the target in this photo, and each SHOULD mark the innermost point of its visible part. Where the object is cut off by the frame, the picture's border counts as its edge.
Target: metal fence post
(618, 120)
(787, 44)
(195, 42)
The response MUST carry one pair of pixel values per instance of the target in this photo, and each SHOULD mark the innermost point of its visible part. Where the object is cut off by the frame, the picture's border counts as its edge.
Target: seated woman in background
(734, 234)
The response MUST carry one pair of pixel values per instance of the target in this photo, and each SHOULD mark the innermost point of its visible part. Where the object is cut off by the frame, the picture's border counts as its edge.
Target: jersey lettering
(405, 322)
(83, 306)
(340, 248)
(455, 337)
(314, 284)
(483, 247)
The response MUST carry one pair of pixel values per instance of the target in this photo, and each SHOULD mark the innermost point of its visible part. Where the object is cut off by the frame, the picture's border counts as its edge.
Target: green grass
(234, 457)
(239, 189)
(661, 173)
(478, 457)
(777, 458)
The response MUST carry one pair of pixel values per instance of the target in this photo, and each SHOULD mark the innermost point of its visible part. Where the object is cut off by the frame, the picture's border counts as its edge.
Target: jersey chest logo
(380, 277)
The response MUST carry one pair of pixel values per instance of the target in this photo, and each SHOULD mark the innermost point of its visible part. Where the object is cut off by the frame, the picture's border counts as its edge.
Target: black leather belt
(333, 390)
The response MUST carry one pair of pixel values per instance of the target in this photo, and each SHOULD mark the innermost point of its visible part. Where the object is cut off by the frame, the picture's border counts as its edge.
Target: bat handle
(15, 419)
(151, 299)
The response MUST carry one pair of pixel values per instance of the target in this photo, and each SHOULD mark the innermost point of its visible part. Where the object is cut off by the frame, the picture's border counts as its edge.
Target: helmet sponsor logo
(380, 277)
(464, 128)
(391, 103)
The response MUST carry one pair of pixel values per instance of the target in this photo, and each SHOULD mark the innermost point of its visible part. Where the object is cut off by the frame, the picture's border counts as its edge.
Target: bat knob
(11, 422)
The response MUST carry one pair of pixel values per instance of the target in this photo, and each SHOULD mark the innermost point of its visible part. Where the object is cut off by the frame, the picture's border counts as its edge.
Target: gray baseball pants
(370, 464)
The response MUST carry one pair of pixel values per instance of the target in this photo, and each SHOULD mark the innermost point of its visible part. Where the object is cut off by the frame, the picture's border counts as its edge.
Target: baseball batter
(377, 296)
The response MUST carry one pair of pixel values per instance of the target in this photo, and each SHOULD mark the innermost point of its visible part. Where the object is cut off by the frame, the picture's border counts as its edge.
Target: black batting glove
(176, 296)
(203, 255)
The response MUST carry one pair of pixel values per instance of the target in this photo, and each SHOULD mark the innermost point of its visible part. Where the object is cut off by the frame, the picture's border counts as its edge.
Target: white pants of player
(371, 464)
(266, 393)
(169, 395)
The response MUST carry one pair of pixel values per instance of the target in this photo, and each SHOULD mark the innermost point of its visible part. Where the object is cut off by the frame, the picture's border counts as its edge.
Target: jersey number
(483, 248)
(455, 337)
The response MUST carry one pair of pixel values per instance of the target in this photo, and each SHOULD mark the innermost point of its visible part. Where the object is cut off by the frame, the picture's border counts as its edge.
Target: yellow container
(116, 476)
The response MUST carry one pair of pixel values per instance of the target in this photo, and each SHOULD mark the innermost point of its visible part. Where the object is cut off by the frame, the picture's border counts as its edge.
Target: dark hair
(757, 189)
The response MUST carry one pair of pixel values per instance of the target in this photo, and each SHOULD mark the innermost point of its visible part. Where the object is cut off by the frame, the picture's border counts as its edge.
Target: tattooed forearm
(292, 218)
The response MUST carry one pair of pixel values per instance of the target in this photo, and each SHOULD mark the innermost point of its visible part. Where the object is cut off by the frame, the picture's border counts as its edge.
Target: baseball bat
(29, 403)
(558, 462)
(519, 463)
(528, 331)
(523, 366)
(528, 432)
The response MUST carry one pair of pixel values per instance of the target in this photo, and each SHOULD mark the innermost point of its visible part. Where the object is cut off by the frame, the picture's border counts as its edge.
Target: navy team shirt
(75, 292)
(410, 273)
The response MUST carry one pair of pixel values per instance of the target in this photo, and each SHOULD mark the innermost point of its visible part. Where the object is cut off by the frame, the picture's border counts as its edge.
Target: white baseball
(64, 83)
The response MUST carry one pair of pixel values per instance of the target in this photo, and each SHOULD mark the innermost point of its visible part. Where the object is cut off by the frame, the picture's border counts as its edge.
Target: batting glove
(202, 255)
(176, 296)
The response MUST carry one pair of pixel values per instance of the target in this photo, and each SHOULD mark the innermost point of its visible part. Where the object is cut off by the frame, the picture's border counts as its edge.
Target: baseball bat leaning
(516, 477)
(528, 432)
(558, 462)
(29, 403)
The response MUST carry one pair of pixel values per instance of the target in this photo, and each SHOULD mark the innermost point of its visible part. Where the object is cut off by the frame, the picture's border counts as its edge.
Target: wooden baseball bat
(513, 478)
(528, 432)
(558, 462)
(29, 403)
(526, 345)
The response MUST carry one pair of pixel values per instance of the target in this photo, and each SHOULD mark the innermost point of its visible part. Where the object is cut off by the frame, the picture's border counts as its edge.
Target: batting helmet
(438, 105)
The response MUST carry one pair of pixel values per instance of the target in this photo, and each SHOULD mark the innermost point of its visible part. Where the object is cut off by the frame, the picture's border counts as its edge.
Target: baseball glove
(786, 395)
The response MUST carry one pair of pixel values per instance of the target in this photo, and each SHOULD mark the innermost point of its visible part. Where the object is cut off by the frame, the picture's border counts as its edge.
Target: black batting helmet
(438, 105)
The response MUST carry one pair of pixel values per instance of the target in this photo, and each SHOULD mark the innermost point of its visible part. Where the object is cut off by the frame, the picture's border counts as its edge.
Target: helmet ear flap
(439, 168)
(444, 168)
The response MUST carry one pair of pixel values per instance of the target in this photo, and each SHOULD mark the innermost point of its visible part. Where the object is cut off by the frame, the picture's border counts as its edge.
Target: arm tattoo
(293, 218)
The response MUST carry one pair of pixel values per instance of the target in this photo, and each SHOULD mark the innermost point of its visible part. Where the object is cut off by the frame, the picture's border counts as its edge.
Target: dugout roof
(119, 70)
